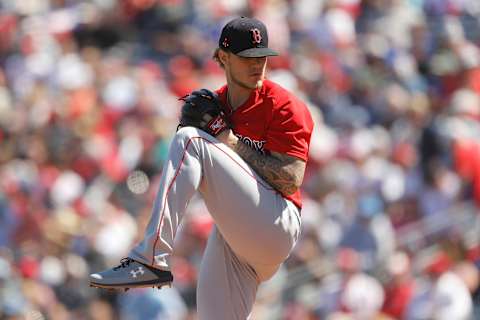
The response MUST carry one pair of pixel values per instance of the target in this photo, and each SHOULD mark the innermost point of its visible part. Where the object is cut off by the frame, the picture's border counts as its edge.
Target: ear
(223, 56)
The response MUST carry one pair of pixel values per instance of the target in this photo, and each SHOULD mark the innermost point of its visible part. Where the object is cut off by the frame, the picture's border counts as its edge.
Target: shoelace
(123, 263)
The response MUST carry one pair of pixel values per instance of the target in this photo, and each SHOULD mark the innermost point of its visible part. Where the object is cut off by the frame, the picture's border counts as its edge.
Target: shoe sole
(129, 286)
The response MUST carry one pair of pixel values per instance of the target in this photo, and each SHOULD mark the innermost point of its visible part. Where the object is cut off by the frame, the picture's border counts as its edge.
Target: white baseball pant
(255, 227)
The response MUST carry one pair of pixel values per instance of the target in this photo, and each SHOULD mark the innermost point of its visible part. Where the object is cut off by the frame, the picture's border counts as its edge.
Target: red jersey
(273, 119)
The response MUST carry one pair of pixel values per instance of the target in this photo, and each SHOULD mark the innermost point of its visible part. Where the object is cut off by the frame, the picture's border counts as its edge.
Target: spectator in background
(370, 234)
(400, 287)
(451, 297)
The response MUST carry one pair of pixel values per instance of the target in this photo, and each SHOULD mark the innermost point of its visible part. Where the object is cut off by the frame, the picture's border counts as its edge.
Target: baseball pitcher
(244, 148)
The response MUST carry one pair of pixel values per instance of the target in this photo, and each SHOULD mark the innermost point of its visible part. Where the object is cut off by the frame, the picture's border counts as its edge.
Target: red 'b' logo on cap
(256, 36)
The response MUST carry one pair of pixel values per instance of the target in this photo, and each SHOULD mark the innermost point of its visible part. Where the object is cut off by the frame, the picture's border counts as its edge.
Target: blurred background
(89, 102)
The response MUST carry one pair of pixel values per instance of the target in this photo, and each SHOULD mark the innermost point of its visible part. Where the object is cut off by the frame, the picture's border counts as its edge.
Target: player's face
(246, 72)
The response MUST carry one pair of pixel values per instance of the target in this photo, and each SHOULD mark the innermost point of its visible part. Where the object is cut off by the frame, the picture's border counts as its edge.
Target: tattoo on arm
(282, 172)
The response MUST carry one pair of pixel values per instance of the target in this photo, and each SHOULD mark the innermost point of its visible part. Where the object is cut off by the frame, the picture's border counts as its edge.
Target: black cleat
(131, 274)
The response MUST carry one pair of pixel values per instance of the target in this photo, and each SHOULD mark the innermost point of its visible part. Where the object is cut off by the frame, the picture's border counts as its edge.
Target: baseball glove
(202, 109)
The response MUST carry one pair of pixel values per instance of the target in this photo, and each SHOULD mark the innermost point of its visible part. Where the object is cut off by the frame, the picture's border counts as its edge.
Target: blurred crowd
(89, 102)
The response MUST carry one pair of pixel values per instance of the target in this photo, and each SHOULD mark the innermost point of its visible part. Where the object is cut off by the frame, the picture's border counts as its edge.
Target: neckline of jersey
(253, 95)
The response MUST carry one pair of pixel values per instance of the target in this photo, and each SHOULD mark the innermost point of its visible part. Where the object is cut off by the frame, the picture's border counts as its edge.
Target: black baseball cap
(246, 37)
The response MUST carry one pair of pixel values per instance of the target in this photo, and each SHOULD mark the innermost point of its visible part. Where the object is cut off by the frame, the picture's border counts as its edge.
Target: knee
(187, 133)
(192, 134)
(266, 272)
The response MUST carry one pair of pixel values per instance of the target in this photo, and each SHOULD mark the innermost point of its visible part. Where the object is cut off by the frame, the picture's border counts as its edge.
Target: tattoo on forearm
(285, 174)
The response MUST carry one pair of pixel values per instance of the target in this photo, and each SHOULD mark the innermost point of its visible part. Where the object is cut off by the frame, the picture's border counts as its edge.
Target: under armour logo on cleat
(139, 271)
